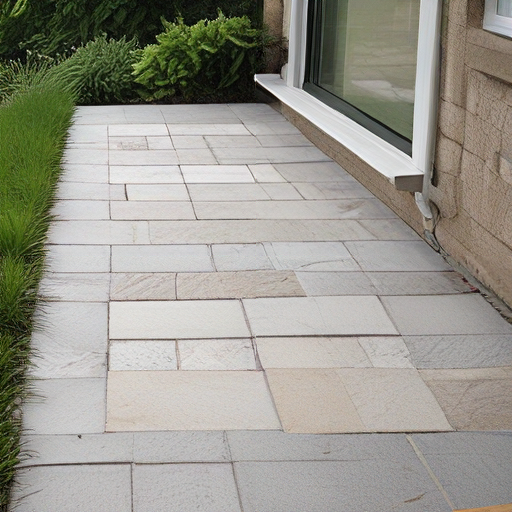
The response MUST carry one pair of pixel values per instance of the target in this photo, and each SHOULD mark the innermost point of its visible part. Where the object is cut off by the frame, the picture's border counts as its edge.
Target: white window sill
(396, 166)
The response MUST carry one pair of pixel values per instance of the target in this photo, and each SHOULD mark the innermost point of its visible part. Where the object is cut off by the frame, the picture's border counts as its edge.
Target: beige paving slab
(389, 229)
(142, 286)
(393, 400)
(474, 399)
(183, 319)
(227, 285)
(142, 355)
(198, 400)
(216, 174)
(151, 210)
(71, 287)
(161, 258)
(318, 352)
(230, 354)
(386, 352)
(154, 192)
(335, 283)
(311, 316)
(145, 174)
(253, 231)
(266, 173)
(240, 257)
(312, 401)
(227, 192)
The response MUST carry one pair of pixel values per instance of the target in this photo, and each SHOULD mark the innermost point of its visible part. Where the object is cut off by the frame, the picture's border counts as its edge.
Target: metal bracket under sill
(397, 167)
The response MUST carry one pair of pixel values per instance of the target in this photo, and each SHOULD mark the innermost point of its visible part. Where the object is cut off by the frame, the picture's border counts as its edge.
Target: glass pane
(505, 8)
(368, 57)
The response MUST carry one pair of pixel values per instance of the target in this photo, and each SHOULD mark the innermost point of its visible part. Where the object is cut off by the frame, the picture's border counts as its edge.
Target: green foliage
(194, 62)
(100, 71)
(33, 127)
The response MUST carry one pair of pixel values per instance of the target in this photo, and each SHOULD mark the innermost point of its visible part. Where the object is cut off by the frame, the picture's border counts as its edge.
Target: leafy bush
(101, 71)
(194, 62)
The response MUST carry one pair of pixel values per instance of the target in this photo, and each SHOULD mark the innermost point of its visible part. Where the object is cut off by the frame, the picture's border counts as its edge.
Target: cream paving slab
(397, 256)
(474, 399)
(142, 286)
(230, 285)
(135, 157)
(190, 156)
(233, 257)
(182, 319)
(227, 192)
(290, 209)
(197, 400)
(81, 210)
(159, 142)
(161, 258)
(254, 231)
(151, 210)
(266, 173)
(445, 314)
(142, 355)
(77, 258)
(189, 142)
(85, 156)
(156, 192)
(268, 155)
(393, 400)
(332, 190)
(98, 232)
(90, 191)
(312, 401)
(137, 130)
(386, 352)
(335, 283)
(83, 173)
(310, 316)
(281, 191)
(73, 342)
(207, 129)
(75, 287)
(145, 174)
(218, 354)
(314, 172)
(216, 174)
(185, 488)
(311, 256)
(317, 352)
(65, 406)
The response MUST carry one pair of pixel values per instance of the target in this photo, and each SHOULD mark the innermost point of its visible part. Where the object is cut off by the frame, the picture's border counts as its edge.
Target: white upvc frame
(494, 22)
(408, 173)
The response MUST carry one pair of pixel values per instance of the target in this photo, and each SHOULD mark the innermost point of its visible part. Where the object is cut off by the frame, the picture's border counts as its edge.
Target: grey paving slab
(159, 142)
(80, 488)
(445, 314)
(397, 256)
(137, 130)
(266, 173)
(283, 140)
(207, 129)
(236, 257)
(460, 351)
(332, 190)
(330, 486)
(156, 192)
(81, 210)
(390, 229)
(77, 258)
(129, 143)
(90, 191)
(189, 142)
(275, 127)
(73, 342)
(45, 450)
(84, 173)
(143, 286)
(117, 192)
(227, 192)
(75, 287)
(142, 355)
(281, 191)
(134, 157)
(473, 468)
(216, 174)
(298, 316)
(314, 172)
(86, 156)
(189, 156)
(183, 319)
(65, 406)
(386, 352)
(151, 210)
(180, 446)
(185, 488)
(145, 174)
(161, 258)
(88, 133)
(226, 141)
(98, 232)
(253, 231)
(311, 256)
(268, 155)
(336, 283)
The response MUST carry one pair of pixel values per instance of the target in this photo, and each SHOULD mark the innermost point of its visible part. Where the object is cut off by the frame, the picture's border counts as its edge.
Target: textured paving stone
(386, 352)
(231, 285)
(198, 400)
(134, 142)
(145, 174)
(143, 286)
(185, 488)
(153, 355)
(84, 488)
(240, 257)
(75, 287)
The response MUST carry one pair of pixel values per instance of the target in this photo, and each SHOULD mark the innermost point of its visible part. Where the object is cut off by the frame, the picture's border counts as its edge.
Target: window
(498, 17)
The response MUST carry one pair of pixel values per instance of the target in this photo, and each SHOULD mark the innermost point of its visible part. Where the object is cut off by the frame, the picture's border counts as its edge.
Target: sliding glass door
(361, 60)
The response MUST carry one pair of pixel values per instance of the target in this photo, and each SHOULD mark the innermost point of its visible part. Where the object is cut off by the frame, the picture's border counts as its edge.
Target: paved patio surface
(234, 324)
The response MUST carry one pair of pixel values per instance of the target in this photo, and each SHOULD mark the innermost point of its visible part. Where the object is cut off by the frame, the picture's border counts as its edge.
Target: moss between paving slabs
(33, 130)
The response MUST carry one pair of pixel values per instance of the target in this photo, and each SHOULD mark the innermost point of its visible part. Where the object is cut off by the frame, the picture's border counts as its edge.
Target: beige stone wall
(473, 162)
